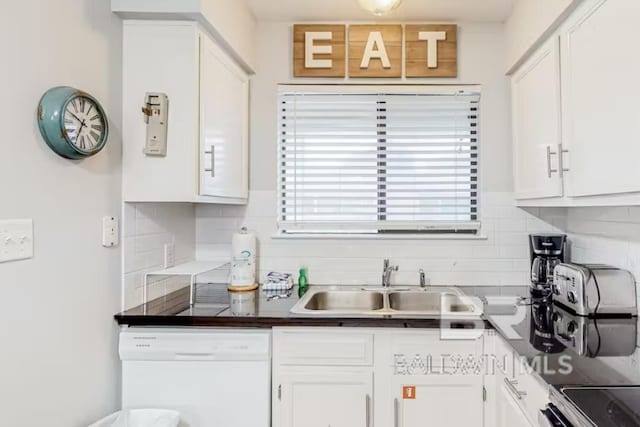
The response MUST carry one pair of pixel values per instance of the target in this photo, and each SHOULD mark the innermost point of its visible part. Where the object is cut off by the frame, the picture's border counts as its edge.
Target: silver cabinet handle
(212, 169)
(562, 152)
(549, 154)
(511, 385)
(395, 412)
(368, 410)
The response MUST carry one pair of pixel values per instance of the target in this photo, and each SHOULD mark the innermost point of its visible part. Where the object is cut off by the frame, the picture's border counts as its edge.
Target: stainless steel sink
(429, 303)
(415, 301)
(346, 301)
(394, 301)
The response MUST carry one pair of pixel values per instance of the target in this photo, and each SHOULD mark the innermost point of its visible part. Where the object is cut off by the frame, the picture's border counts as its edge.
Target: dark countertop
(212, 309)
(611, 356)
(528, 328)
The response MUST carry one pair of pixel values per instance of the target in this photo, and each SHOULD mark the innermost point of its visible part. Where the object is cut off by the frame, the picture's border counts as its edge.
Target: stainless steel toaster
(594, 289)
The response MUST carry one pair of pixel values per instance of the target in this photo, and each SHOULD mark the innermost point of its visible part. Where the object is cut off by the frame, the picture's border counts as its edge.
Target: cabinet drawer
(323, 348)
(441, 348)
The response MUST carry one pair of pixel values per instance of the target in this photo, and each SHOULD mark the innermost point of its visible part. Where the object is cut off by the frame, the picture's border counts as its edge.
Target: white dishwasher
(213, 377)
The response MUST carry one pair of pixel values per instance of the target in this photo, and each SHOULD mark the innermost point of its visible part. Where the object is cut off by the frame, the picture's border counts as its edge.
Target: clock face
(85, 124)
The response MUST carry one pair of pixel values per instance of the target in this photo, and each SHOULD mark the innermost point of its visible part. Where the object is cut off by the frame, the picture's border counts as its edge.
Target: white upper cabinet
(224, 107)
(537, 124)
(601, 114)
(208, 110)
(583, 153)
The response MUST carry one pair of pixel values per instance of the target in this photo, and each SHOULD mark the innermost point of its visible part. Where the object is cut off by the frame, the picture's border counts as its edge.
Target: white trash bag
(141, 418)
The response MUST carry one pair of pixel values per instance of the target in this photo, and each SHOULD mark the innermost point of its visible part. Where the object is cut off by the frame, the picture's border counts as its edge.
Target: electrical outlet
(169, 255)
(16, 239)
(110, 232)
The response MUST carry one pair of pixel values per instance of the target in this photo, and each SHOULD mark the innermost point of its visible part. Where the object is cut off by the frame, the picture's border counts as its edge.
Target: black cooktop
(607, 406)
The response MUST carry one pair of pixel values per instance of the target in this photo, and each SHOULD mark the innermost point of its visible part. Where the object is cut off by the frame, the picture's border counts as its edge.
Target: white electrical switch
(16, 239)
(110, 233)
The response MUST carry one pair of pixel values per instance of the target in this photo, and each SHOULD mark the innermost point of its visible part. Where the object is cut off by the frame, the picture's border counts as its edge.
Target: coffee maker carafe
(546, 251)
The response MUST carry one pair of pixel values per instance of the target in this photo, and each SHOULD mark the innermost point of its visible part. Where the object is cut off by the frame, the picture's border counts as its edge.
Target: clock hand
(79, 130)
(75, 117)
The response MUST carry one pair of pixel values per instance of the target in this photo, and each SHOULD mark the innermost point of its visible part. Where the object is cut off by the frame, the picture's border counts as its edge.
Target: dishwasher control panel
(153, 344)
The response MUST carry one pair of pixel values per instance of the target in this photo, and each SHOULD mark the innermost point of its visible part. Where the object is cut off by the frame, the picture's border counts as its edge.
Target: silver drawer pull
(511, 385)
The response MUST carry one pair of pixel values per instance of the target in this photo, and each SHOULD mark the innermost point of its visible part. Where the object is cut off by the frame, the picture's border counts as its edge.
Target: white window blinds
(376, 162)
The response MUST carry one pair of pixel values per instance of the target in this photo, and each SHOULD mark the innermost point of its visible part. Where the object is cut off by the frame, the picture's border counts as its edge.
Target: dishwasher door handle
(195, 356)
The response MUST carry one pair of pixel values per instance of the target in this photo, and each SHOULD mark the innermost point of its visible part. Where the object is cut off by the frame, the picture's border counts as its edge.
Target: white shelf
(192, 268)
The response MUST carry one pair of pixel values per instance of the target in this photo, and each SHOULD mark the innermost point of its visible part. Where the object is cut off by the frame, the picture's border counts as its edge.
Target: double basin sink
(394, 301)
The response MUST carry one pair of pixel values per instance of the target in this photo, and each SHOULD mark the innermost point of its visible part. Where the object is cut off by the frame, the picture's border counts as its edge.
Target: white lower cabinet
(436, 400)
(322, 397)
(515, 394)
(356, 377)
(508, 411)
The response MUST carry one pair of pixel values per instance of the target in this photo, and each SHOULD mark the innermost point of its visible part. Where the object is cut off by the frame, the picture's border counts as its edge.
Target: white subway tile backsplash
(609, 235)
(147, 227)
(500, 259)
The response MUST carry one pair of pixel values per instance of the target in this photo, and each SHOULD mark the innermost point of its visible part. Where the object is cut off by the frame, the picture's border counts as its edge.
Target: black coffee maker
(546, 251)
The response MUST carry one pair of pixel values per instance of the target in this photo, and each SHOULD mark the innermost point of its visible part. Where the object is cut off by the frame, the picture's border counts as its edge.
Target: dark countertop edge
(268, 322)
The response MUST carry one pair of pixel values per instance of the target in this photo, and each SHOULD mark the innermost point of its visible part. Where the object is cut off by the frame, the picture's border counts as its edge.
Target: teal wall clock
(72, 122)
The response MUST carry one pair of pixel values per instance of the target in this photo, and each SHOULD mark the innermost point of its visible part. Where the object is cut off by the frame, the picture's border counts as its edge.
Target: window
(367, 160)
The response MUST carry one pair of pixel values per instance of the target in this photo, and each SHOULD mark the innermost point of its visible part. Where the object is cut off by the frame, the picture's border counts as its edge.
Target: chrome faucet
(387, 269)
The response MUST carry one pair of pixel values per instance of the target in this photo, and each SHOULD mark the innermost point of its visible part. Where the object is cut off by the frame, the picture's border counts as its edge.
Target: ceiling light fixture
(379, 7)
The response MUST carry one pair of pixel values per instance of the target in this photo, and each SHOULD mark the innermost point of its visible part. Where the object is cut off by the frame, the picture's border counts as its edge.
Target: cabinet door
(436, 401)
(536, 125)
(509, 413)
(601, 116)
(322, 397)
(224, 110)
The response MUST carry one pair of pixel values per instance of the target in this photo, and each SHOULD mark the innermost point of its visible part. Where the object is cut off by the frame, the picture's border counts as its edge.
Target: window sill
(348, 236)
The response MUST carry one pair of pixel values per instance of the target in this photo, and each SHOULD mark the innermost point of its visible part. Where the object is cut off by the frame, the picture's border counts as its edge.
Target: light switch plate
(16, 239)
(110, 232)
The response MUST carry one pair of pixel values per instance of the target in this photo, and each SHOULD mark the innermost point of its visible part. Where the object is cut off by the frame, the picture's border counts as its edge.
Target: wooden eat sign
(430, 50)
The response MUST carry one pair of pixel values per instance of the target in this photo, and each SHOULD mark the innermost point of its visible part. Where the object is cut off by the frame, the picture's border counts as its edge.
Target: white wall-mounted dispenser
(156, 116)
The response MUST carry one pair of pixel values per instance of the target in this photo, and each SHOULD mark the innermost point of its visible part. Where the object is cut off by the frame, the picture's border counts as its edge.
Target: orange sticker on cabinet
(409, 392)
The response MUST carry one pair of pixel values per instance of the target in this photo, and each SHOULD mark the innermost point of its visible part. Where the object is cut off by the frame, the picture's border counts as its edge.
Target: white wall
(147, 228)
(58, 363)
(529, 21)
(501, 259)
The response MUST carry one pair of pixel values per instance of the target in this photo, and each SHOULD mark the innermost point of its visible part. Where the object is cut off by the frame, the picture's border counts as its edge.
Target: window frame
(462, 231)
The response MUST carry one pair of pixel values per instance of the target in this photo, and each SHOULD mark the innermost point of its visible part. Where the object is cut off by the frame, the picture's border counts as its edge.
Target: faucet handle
(423, 278)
